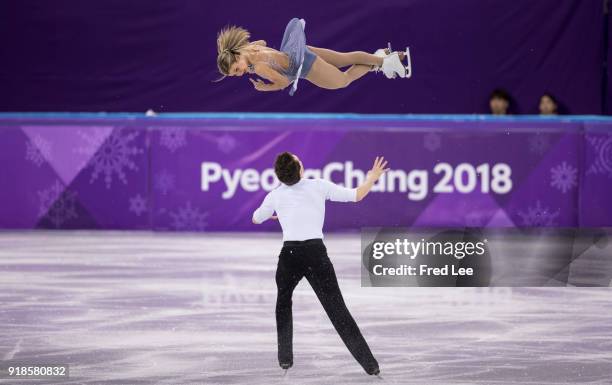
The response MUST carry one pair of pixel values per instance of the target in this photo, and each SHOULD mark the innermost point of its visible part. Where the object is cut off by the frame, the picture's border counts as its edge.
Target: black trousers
(309, 259)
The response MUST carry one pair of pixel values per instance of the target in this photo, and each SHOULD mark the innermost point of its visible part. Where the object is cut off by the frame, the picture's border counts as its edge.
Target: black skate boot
(285, 366)
(375, 372)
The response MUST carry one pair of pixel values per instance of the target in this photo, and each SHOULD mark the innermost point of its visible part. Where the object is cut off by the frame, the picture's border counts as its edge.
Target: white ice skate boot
(380, 53)
(384, 52)
(392, 65)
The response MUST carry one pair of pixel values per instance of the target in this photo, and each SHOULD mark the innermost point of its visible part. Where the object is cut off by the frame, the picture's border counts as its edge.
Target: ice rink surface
(187, 308)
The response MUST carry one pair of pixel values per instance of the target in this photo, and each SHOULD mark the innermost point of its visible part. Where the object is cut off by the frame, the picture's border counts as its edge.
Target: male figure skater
(300, 207)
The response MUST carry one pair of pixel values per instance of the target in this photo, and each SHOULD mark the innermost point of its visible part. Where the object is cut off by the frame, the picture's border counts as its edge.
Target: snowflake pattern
(138, 205)
(38, 150)
(164, 182)
(114, 156)
(432, 141)
(226, 143)
(538, 216)
(173, 138)
(57, 204)
(92, 139)
(564, 177)
(538, 144)
(188, 218)
(603, 158)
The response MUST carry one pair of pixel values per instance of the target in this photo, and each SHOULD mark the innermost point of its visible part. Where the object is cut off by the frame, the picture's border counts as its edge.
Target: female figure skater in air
(236, 55)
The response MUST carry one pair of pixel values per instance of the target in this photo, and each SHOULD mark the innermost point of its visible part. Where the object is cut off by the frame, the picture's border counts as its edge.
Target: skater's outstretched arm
(377, 170)
(278, 81)
(337, 193)
(265, 211)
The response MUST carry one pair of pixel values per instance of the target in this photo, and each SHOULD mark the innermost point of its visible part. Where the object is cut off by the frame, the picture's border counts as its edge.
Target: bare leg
(325, 75)
(344, 59)
(357, 70)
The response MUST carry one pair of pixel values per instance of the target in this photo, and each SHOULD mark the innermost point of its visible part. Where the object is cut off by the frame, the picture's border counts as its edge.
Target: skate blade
(409, 64)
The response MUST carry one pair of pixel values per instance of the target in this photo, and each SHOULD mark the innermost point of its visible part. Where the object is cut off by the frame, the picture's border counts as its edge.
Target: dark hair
(500, 93)
(561, 108)
(287, 168)
(549, 95)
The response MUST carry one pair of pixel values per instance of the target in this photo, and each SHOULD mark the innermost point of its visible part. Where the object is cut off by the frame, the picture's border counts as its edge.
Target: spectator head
(499, 101)
(548, 105)
(288, 168)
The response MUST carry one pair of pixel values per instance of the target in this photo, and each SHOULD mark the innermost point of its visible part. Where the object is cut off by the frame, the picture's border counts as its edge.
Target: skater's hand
(274, 217)
(377, 169)
(258, 84)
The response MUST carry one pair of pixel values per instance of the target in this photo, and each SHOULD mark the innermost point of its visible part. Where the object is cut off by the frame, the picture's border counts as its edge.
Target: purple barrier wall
(210, 173)
(72, 55)
(72, 174)
(596, 186)
(607, 43)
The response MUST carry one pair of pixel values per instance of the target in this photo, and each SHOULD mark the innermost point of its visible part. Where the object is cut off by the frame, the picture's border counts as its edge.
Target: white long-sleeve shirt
(301, 208)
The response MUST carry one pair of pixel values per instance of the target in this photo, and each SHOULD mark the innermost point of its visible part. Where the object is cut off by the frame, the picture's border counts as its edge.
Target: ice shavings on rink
(168, 308)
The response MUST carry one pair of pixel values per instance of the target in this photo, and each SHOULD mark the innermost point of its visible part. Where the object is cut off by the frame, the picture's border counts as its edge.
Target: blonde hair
(229, 41)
